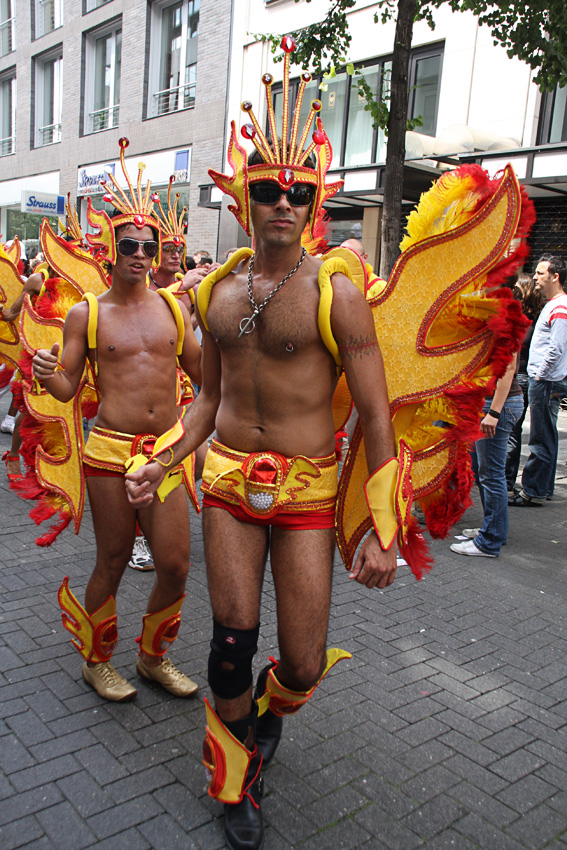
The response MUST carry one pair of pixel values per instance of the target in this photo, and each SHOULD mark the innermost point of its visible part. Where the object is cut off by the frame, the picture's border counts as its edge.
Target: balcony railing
(170, 100)
(103, 119)
(7, 145)
(7, 36)
(49, 135)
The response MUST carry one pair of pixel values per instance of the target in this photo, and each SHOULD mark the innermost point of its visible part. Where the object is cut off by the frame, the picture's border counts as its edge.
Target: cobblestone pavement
(447, 729)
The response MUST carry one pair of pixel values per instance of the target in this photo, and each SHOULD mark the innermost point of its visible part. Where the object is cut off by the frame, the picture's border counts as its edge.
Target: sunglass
(298, 195)
(127, 247)
(172, 249)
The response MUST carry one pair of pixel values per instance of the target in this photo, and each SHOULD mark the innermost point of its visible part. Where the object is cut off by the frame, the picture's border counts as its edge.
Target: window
(553, 117)
(7, 40)
(173, 56)
(48, 16)
(102, 79)
(8, 114)
(94, 4)
(48, 98)
(349, 125)
(425, 74)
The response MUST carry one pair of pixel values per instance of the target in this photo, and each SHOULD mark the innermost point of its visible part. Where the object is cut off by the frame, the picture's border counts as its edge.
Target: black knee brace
(237, 647)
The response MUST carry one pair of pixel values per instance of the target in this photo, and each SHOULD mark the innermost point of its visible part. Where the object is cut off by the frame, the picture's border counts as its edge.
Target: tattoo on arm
(358, 347)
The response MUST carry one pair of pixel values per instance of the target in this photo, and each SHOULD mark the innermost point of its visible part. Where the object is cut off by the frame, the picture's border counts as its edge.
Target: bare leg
(235, 554)
(114, 522)
(166, 527)
(200, 459)
(13, 466)
(302, 564)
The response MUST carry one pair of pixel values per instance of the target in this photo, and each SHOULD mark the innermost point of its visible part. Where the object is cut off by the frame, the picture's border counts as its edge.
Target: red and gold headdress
(172, 223)
(136, 209)
(283, 159)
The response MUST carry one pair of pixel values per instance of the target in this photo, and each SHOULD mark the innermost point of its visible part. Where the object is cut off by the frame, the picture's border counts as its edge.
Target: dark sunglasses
(170, 248)
(127, 247)
(298, 195)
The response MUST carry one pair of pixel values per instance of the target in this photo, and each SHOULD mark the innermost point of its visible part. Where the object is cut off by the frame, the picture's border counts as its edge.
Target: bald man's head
(356, 246)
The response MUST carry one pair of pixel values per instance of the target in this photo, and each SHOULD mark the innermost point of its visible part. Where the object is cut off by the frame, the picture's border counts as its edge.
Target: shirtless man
(270, 390)
(135, 356)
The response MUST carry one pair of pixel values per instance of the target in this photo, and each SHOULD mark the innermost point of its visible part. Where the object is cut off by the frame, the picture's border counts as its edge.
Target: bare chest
(286, 325)
(136, 333)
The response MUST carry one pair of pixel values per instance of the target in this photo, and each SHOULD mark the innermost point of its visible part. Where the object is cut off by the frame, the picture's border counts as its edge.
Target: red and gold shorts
(106, 451)
(266, 488)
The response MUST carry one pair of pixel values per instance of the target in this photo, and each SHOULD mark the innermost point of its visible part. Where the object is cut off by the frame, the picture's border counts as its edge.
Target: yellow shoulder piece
(330, 266)
(93, 323)
(206, 286)
(177, 315)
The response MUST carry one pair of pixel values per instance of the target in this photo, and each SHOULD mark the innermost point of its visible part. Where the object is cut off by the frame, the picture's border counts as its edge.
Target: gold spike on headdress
(136, 209)
(172, 223)
(283, 158)
(71, 226)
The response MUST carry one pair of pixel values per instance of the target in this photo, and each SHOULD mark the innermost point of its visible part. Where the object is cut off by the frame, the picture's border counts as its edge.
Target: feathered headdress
(283, 158)
(136, 209)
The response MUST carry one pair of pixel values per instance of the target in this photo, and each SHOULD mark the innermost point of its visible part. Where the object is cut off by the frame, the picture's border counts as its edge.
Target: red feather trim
(415, 551)
(339, 437)
(6, 376)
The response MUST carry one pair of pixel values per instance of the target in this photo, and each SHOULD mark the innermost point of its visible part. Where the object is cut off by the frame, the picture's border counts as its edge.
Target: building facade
(475, 103)
(76, 75)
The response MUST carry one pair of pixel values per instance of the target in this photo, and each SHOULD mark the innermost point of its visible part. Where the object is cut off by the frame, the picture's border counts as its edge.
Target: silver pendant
(245, 323)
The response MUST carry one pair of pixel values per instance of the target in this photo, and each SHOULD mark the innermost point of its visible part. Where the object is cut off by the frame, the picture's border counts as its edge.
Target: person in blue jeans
(501, 412)
(547, 370)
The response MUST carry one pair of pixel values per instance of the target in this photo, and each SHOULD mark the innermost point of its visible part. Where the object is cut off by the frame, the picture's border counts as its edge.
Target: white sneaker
(467, 547)
(8, 424)
(470, 533)
(141, 556)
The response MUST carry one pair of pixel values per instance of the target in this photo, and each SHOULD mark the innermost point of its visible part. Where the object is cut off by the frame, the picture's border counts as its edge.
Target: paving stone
(475, 800)
(538, 826)
(28, 803)
(485, 835)
(434, 817)
(65, 828)
(526, 793)
(124, 816)
(21, 832)
(86, 796)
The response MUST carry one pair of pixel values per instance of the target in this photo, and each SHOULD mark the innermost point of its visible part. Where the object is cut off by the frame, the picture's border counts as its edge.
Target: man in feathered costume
(132, 340)
(289, 344)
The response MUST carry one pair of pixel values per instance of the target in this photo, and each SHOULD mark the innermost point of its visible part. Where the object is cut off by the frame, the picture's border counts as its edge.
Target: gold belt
(263, 483)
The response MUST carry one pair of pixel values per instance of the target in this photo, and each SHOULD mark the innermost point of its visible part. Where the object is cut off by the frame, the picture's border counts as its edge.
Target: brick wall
(201, 127)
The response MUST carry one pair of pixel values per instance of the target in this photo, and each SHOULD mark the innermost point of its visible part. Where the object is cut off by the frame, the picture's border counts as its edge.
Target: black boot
(269, 725)
(243, 823)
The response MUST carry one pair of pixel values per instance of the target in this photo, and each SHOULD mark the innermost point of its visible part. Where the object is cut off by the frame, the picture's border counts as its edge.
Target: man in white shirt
(547, 369)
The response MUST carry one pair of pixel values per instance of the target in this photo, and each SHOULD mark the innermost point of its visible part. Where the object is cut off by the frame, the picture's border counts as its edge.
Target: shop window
(103, 53)
(349, 125)
(173, 57)
(7, 38)
(48, 16)
(8, 114)
(48, 98)
(553, 117)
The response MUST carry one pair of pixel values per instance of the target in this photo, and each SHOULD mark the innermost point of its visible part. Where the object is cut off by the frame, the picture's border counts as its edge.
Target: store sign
(159, 167)
(40, 203)
(91, 177)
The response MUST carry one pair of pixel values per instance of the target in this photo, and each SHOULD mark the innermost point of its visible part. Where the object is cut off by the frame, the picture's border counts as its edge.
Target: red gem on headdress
(267, 79)
(139, 221)
(319, 137)
(306, 77)
(155, 197)
(286, 178)
(177, 240)
(246, 106)
(123, 142)
(316, 106)
(287, 44)
(108, 198)
(248, 131)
